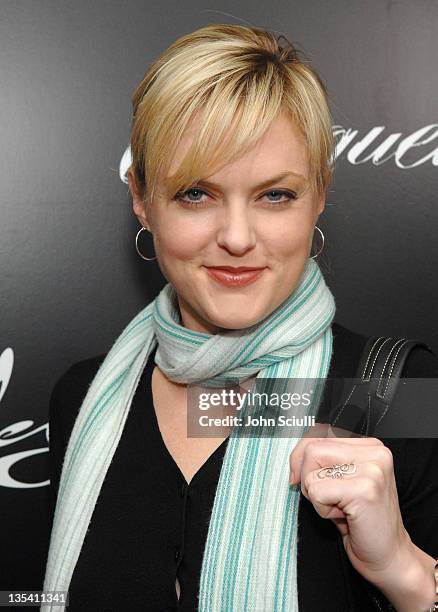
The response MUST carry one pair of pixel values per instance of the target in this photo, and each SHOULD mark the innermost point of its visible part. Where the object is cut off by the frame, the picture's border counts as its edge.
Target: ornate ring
(337, 470)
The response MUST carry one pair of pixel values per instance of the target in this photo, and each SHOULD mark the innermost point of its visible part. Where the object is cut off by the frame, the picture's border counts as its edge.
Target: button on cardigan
(149, 526)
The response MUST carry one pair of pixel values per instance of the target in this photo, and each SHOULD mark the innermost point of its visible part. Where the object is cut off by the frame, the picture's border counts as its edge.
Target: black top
(149, 526)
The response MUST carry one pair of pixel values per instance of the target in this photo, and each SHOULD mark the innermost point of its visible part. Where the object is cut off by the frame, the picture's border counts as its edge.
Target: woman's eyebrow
(273, 179)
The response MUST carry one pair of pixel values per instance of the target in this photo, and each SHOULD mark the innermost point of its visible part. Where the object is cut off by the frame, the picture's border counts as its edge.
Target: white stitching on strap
(388, 358)
(369, 355)
(383, 414)
(377, 354)
(393, 365)
(345, 403)
(369, 414)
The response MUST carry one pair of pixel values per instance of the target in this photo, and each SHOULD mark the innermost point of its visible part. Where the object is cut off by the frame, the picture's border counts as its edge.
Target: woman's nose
(236, 228)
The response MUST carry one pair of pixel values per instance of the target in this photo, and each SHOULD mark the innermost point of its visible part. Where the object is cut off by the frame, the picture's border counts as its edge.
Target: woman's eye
(287, 195)
(182, 195)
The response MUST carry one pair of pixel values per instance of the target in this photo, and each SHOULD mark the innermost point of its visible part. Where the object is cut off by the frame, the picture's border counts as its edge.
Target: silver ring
(337, 470)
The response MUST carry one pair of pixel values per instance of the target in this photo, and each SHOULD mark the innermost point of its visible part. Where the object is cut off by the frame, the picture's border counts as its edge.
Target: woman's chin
(236, 321)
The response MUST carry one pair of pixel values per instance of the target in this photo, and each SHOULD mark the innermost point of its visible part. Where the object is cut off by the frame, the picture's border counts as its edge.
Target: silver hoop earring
(136, 245)
(322, 245)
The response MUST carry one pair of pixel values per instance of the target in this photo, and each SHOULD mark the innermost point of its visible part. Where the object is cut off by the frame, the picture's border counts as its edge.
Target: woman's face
(243, 215)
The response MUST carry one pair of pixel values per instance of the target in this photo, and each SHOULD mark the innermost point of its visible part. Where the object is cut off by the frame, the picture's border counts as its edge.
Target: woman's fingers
(313, 452)
(317, 455)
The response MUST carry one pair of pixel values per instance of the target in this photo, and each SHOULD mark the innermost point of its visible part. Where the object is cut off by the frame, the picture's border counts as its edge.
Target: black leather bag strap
(379, 369)
(378, 373)
(367, 398)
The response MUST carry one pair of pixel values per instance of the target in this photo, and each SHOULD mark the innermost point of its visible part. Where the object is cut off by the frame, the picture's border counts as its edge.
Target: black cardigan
(326, 579)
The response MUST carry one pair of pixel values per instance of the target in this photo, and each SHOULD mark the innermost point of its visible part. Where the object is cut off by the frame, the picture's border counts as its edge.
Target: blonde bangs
(231, 121)
(225, 84)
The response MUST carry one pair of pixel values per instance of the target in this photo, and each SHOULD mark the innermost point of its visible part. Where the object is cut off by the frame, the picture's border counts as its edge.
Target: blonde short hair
(239, 78)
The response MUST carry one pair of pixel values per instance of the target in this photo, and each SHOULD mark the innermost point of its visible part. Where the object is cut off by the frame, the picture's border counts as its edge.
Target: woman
(231, 160)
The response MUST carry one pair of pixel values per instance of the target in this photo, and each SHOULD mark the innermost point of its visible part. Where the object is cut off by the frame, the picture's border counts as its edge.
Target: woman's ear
(138, 204)
(320, 202)
(319, 205)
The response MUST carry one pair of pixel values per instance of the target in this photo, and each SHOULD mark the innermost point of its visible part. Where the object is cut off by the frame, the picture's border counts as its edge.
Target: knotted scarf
(249, 560)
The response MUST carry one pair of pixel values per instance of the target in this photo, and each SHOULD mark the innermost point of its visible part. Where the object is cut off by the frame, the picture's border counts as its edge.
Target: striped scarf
(250, 560)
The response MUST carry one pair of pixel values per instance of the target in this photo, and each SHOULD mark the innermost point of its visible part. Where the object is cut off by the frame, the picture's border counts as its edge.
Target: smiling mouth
(235, 277)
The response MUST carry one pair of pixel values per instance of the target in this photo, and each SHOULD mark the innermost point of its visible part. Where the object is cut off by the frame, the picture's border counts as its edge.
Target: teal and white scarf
(250, 560)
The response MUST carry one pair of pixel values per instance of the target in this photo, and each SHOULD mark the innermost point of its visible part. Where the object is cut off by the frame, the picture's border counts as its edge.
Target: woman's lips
(235, 279)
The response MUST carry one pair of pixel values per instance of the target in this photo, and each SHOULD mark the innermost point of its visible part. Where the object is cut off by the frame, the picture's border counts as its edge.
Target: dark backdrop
(70, 277)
